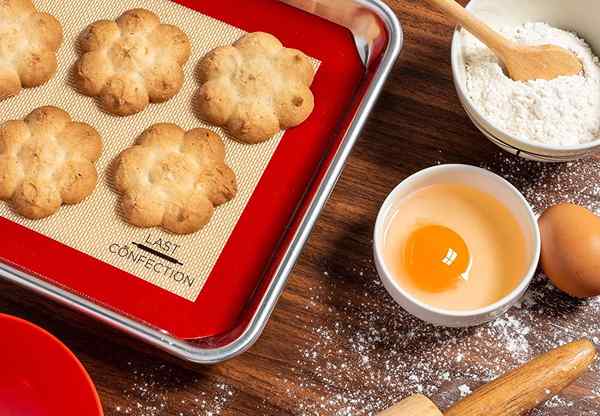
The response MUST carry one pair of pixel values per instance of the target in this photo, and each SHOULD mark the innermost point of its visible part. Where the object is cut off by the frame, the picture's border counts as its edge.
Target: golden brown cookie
(28, 43)
(131, 62)
(47, 160)
(174, 179)
(256, 87)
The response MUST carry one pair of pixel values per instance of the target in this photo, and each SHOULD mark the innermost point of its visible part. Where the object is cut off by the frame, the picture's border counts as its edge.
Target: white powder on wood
(364, 353)
(464, 390)
(157, 390)
(563, 111)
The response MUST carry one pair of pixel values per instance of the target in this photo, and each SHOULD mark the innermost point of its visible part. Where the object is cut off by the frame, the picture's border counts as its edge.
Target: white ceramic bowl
(480, 179)
(580, 16)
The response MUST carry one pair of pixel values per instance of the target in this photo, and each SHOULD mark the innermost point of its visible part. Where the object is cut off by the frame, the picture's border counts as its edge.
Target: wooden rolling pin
(516, 392)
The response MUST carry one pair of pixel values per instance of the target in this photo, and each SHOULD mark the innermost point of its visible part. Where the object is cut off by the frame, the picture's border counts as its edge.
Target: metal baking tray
(357, 43)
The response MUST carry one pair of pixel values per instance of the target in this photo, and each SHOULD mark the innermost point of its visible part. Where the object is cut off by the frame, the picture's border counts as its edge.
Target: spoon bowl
(523, 63)
(547, 62)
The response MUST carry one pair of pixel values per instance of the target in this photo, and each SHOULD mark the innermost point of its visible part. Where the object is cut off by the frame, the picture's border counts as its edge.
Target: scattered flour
(564, 111)
(464, 390)
(155, 391)
(366, 353)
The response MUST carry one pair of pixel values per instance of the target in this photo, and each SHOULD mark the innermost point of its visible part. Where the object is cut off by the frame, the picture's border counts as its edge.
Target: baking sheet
(94, 227)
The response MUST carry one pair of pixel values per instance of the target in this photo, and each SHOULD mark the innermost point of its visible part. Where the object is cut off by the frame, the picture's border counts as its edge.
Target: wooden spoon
(522, 62)
(516, 392)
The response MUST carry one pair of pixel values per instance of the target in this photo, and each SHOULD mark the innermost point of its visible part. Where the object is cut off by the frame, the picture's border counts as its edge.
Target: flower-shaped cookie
(28, 44)
(256, 87)
(131, 62)
(47, 160)
(174, 179)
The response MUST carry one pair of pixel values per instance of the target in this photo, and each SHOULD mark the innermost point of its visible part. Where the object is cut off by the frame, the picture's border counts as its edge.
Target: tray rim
(186, 350)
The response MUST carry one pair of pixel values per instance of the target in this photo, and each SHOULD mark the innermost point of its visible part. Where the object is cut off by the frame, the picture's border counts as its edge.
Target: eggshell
(571, 249)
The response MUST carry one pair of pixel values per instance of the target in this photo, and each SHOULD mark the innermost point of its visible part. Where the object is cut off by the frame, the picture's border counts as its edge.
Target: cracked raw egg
(455, 247)
(436, 258)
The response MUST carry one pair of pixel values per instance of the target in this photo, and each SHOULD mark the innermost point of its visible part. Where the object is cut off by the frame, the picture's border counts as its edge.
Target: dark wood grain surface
(336, 344)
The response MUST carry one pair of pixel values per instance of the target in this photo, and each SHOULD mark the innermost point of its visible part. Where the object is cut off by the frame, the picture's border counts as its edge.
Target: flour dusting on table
(359, 369)
(151, 392)
(562, 111)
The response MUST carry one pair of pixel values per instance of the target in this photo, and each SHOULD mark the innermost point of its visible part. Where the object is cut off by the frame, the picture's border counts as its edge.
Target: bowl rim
(507, 300)
(465, 100)
(60, 348)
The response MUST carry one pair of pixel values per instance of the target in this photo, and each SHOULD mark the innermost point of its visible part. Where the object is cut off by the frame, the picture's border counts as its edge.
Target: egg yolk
(436, 258)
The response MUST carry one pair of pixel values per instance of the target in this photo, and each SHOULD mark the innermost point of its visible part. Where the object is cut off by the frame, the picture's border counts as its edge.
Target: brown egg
(571, 249)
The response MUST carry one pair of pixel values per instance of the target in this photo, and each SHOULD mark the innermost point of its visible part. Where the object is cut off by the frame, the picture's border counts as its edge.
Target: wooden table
(336, 343)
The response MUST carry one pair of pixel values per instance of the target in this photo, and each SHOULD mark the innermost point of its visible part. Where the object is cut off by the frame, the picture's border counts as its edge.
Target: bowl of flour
(556, 120)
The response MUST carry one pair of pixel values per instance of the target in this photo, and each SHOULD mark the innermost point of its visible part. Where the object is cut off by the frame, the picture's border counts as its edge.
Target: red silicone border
(270, 211)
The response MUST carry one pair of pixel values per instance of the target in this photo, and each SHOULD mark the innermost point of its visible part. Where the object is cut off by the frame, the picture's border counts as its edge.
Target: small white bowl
(580, 16)
(480, 179)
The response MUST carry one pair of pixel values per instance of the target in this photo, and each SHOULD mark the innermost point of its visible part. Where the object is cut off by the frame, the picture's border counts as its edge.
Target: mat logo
(169, 247)
(152, 260)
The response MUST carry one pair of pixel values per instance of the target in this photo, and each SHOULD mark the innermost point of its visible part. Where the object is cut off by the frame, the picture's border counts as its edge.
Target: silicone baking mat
(178, 264)
(254, 253)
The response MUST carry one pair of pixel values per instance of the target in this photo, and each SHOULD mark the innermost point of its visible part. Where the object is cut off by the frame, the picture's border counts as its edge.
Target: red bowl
(39, 376)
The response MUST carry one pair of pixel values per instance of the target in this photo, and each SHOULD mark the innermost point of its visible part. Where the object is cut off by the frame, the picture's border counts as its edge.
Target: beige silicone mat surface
(94, 226)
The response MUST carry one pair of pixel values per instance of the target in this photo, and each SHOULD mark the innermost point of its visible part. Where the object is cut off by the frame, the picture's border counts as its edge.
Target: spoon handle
(492, 39)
